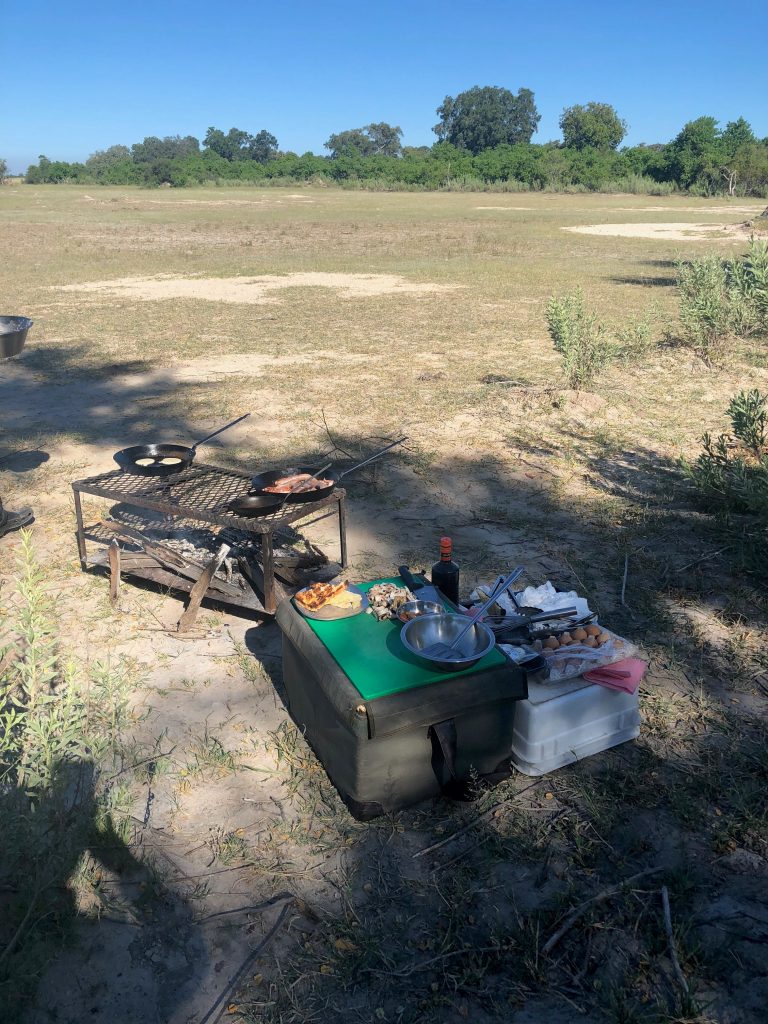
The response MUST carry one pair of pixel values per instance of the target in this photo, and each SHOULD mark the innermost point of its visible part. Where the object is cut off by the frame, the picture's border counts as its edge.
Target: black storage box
(394, 751)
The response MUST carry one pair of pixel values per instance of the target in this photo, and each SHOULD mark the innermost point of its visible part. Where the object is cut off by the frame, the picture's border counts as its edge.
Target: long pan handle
(495, 595)
(371, 459)
(221, 430)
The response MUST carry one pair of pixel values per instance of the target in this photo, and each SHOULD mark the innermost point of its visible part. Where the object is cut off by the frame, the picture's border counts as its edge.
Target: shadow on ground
(460, 933)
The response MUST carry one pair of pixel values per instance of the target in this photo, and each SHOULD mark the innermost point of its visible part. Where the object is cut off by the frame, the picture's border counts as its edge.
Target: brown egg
(593, 631)
(566, 638)
(551, 643)
(603, 638)
(591, 641)
(579, 634)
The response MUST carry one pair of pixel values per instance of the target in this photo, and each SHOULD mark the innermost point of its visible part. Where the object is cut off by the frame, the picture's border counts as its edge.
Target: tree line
(483, 141)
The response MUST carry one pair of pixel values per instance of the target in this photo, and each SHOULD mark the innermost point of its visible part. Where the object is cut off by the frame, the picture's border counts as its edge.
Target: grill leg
(343, 531)
(80, 529)
(268, 568)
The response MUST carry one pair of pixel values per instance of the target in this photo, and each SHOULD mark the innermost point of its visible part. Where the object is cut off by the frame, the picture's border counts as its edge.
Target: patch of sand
(502, 207)
(673, 231)
(254, 290)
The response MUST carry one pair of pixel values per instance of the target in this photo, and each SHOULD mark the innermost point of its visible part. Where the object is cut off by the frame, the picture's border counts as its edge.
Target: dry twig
(471, 825)
(671, 940)
(579, 911)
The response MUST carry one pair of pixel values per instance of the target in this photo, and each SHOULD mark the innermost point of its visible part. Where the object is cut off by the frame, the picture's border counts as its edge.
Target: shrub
(638, 335)
(747, 412)
(705, 314)
(721, 298)
(732, 475)
(579, 337)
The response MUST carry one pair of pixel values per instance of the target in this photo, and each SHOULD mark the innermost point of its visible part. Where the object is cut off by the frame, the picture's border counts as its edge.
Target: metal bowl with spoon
(454, 642)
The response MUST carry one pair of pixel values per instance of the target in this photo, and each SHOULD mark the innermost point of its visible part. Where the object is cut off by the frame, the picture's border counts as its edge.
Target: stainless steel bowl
(431, 629)
(413, 609)
(13, 334)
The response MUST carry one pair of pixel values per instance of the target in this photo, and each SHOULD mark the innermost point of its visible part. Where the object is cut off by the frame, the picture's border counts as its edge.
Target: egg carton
(574, 660)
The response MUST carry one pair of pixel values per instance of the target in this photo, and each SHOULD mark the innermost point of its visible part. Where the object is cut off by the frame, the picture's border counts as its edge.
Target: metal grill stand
(199, 494)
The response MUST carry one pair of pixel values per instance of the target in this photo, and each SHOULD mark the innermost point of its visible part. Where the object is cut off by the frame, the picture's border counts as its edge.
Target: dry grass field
(161, 314)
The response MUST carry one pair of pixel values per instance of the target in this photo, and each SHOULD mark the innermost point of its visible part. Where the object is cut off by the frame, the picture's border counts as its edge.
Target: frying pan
(262, 480)
(253, 505)
(178, 456)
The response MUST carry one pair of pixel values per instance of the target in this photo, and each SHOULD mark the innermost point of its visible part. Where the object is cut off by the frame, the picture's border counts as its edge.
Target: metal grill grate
(200, 492)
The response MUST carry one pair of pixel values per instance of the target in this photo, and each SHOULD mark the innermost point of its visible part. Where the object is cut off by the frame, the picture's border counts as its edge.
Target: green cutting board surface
(375, 661)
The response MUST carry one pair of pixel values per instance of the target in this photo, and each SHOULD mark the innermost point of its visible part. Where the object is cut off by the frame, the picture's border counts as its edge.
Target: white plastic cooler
(561, 723)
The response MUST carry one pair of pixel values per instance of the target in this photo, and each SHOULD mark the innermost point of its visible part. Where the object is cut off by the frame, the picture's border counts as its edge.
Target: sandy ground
(506, 495)
(673, 232)
(256, 290)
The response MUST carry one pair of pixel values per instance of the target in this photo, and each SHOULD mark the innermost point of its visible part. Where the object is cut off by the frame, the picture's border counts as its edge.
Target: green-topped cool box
(389, 729)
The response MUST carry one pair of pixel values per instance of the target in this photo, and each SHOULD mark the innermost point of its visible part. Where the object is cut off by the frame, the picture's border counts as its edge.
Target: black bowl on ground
(13, 334)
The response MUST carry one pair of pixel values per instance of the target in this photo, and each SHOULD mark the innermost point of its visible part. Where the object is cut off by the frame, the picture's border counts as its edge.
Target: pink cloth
(604, 676)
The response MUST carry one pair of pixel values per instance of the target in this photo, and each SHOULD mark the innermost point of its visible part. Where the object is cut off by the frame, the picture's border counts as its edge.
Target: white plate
(329, 613)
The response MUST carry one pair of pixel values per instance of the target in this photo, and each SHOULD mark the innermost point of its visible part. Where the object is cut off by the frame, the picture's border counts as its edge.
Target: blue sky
(83, 76)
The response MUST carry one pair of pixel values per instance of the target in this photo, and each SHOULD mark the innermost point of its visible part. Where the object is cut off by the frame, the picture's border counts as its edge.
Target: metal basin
(430, 629)
(413, 609)
(13, 334)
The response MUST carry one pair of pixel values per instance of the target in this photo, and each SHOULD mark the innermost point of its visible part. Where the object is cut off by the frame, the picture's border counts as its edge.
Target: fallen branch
(671, 940)
(579, 911)
(704, 558)
(624, 581)
(471, 825)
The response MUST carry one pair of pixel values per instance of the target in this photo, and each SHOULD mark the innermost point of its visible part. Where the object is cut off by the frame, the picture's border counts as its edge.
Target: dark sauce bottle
(445, 573)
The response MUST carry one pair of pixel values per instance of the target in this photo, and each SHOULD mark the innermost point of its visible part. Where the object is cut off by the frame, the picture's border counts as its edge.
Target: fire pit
(200, 495)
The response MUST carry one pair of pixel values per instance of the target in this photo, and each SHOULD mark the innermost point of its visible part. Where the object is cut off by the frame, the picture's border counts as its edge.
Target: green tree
(385, 138)
(172, 146)
(380, 139)
(737, 134)
(485, 117)
(262, 147)
(3, 168)
(695, 155)
(232, 146)
(597, 125)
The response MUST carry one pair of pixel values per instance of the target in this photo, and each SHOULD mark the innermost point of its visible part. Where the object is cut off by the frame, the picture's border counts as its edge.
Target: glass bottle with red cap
(445, 573)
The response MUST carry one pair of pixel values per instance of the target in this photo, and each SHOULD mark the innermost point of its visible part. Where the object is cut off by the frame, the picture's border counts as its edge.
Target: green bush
(638, 335)
(731, 474)
(580, 338)
(747, 412)
(705, 314)
(723, 298)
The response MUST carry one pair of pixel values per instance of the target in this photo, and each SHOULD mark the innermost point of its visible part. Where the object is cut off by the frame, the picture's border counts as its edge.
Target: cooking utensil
(13, 335)
(254, 505)
(262, 480)
(165, 459)
(427, 630)
(446, 652)
(425, 591)
(413, 609)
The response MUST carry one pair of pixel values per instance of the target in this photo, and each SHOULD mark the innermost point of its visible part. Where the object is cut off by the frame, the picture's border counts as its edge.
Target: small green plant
(580, 338)
(723, 298)
(732, 473)
(705, 314)
(637, 335)
(747, 412)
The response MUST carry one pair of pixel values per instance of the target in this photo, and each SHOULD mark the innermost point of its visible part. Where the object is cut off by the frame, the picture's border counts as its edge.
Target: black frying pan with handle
(250, 506)
(262, 480)
(163, 459)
